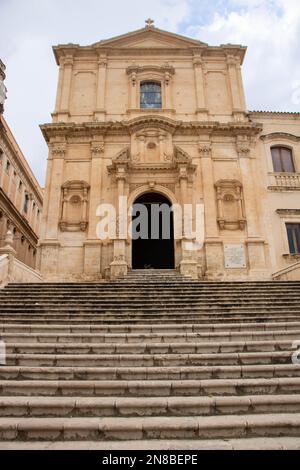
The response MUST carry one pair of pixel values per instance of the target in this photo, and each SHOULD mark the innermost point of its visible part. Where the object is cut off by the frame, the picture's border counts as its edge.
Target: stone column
(119, 267)
(59, 89)
(201, 107)
(53, 210)
(255, 243)
(188, 264)
(66, 87)
(101, 89)
(237, 104)
(213, 244)
(92, 246)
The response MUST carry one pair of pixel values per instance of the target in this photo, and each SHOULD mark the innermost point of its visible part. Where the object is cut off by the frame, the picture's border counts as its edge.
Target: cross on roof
(149, 23)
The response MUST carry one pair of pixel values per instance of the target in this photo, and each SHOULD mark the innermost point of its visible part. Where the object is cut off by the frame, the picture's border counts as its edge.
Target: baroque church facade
(155, 117)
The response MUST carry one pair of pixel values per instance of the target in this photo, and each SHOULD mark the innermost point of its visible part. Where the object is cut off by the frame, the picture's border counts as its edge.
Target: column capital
(97, 148)
(67, 61)
(205, 149)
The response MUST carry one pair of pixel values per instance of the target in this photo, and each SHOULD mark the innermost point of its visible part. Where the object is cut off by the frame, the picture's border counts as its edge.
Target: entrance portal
(154, 248)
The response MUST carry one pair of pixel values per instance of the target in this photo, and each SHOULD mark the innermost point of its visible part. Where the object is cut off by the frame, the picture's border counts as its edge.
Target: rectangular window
(293, 233)
(26, 203)
(282, 160)
(151, 95)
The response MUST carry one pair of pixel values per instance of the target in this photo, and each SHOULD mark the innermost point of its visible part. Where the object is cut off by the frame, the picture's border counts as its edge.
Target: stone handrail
(13, 270)
(291, 273)
(290, 181)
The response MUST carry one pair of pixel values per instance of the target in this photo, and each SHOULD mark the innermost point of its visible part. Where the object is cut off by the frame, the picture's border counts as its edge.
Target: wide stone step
(145, 295)
(99, 321)
(145, 307)
(151, 319)
(151, 388)
(149, 348)
(158, 314)
(212, 427)
(150, 360)
(150, 329)
(150, 373)
(256, 443)
(148, 287)
(137, 338)
(140, 406)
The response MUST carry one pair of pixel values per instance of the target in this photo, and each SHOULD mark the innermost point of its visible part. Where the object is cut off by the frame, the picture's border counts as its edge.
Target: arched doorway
(153, 237)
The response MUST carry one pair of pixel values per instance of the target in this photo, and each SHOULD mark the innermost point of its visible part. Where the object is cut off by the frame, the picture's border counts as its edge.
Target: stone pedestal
(189, 268)
(119, 267)
(5, 275)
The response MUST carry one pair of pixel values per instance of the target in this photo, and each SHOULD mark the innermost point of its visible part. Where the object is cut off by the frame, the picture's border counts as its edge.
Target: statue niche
(230, 205)
(74, 206)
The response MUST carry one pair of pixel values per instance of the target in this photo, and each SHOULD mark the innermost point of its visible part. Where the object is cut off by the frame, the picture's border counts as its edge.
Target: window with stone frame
(26, 203)
(7, 166)
(282, 160)
(151, 97)
(293, 233)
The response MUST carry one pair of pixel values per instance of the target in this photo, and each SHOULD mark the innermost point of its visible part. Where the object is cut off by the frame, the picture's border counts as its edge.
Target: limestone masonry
(151, 112)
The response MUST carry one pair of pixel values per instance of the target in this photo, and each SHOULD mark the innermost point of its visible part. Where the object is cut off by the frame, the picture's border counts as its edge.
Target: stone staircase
(151, 361)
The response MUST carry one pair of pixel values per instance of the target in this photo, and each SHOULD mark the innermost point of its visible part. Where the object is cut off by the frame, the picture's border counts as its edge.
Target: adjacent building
(21, 197)
(160, 118)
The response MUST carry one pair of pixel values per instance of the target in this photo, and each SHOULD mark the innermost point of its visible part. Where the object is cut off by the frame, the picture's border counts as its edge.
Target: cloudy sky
(270, 29)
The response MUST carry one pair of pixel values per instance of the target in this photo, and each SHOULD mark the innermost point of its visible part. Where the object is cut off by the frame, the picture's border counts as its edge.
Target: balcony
(284, 181)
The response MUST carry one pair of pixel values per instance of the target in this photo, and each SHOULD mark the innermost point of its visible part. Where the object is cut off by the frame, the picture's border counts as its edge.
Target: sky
(29, 28)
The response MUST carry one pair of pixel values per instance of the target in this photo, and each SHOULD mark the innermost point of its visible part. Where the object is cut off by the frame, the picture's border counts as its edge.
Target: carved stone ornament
(230, 207)
(74, 206)
(97, 147)
(58, 150)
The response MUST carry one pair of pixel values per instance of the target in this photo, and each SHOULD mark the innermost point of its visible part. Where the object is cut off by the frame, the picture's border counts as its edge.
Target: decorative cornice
(93, 129)
(287, 212)
(138, 69)
(76, 185)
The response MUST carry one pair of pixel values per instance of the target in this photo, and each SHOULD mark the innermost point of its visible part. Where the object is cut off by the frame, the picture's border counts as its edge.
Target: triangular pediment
(150, 37)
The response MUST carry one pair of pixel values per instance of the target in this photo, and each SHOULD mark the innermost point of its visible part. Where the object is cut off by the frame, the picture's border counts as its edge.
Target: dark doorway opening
(156, 251)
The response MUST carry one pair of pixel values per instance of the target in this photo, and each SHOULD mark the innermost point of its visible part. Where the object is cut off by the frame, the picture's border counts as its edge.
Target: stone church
(159, 118)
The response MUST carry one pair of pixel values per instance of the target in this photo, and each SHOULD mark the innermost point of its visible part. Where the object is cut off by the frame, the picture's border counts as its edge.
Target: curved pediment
(280, 136)
(151, 121)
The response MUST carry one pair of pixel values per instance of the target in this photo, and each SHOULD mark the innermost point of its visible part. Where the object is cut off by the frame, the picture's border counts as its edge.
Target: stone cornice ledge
(133, 125)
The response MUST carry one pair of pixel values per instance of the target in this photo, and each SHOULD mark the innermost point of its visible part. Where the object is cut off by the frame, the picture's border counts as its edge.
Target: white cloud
(271, 31)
